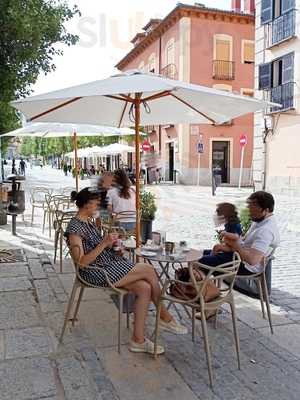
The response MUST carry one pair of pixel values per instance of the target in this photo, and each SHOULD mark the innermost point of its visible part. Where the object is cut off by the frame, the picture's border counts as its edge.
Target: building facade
(209, 47)
(276, 165)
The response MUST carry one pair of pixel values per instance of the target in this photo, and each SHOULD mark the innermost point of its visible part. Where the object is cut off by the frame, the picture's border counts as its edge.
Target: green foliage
(29, 33)
(245, 219)
(148, 205)
(60, 146)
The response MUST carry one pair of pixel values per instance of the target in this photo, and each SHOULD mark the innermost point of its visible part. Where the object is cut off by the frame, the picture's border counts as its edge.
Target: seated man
(262, 235)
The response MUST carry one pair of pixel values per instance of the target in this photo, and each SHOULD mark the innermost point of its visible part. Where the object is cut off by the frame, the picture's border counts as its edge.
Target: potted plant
(245, 219)
(148, 210)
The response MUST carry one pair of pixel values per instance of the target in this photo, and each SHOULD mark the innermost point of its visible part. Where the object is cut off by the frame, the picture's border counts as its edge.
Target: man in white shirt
(262, 236)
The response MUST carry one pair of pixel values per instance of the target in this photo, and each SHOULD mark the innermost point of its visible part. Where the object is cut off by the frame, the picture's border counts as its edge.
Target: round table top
(187, 256)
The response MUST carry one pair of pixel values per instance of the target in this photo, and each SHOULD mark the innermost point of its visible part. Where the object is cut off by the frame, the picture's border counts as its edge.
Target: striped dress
(116, 267)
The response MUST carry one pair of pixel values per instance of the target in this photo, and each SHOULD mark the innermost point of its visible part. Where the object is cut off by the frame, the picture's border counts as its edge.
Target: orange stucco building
(209, 47)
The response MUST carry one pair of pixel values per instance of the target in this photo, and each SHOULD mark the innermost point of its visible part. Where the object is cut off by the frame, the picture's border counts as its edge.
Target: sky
(105, 29)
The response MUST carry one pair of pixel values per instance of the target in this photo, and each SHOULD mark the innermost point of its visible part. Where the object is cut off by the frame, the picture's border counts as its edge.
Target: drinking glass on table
(219, 225)
(182, 246)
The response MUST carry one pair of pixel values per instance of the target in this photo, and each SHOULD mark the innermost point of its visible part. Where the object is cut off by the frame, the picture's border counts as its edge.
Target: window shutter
(287, 5)
(288, 68)
(222, 50)
(249, 54)
(265, 76)
(266, 11)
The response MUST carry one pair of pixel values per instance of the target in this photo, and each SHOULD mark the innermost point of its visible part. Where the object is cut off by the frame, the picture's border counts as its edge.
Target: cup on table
(114, 237)
(169, 247)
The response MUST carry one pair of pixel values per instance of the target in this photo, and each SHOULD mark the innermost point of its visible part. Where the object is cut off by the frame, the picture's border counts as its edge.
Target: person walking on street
(22, 166)
(13, 166)
(65, 168)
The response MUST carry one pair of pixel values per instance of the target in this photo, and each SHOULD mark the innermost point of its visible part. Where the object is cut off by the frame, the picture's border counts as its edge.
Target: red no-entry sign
(243, 140)
(146, 146)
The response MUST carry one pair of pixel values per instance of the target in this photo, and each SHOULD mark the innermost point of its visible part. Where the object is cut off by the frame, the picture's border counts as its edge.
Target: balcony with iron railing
(284, 95)
(170, 71)
(223, 70)
(281, 29)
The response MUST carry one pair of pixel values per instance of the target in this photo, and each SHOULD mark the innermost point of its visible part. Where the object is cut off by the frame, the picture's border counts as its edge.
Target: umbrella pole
(76, 160)
(137, 104)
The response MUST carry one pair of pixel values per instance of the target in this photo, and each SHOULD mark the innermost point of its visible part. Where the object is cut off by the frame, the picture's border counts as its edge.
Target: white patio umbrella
(57, 130)
(139, 98)
(114, 149)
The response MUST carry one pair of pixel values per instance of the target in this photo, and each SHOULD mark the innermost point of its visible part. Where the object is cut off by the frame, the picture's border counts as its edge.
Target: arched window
(170, 52)
(152, 63)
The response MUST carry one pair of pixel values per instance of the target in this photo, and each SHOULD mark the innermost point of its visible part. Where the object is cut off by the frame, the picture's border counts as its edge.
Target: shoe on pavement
(208, 314)
(173, 327)
(146, 347)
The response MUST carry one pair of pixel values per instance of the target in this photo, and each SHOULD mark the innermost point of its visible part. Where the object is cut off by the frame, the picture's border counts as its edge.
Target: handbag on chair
(188, 292)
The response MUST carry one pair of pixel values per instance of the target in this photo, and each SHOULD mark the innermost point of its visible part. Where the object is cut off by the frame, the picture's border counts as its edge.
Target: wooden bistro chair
(37, 200)
(261, 282)
(226, 271)
(82, 285)
(62, 218)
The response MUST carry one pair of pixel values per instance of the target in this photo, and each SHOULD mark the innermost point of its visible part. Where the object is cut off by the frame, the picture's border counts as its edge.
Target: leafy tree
(29, 33)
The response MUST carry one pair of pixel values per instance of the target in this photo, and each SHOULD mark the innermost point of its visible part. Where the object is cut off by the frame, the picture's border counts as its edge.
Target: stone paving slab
(288, 337)
(15, 284)
(46, 296)
(18, 310)
(27, 379)
(2, 346)
(27, 342)
(148, 372)
(36, 269)
(77, 384)
(12, 270)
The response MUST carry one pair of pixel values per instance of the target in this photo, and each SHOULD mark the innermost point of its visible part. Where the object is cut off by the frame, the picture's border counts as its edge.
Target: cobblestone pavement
(87, 366)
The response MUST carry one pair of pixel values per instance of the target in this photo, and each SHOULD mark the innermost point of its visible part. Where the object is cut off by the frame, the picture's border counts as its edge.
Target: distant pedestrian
(92, 170)
(13, 166)
(22, 166)
(65, 169)
(157, 176)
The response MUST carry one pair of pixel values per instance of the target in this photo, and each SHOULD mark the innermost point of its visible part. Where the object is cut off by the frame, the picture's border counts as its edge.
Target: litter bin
(16, 199)
(175, 172)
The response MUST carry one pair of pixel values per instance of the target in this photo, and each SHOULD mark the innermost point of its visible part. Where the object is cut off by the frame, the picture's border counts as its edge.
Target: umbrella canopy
(139, 98)
(163, 101)
(110, 150)
(116, 148)
(54, 130)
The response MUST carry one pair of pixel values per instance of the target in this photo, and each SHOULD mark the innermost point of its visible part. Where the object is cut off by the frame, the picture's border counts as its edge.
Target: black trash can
(175, 172)
(146, 230)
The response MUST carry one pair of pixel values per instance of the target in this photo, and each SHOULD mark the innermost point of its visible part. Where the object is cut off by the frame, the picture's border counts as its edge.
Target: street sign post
(146, 146)
(200, 150)
(243, 143)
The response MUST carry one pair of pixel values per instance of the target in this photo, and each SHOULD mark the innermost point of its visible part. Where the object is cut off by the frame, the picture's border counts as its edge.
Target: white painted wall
(283, 146)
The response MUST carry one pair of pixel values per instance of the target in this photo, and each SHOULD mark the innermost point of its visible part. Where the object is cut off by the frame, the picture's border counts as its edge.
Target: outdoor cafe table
(167, 261)
(167, 264)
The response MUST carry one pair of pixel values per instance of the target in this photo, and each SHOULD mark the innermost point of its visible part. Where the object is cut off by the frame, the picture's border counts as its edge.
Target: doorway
(171, 161)
(220, 159)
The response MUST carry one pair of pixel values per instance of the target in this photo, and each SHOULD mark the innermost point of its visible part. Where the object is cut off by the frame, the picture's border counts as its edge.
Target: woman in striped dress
(89, 249)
